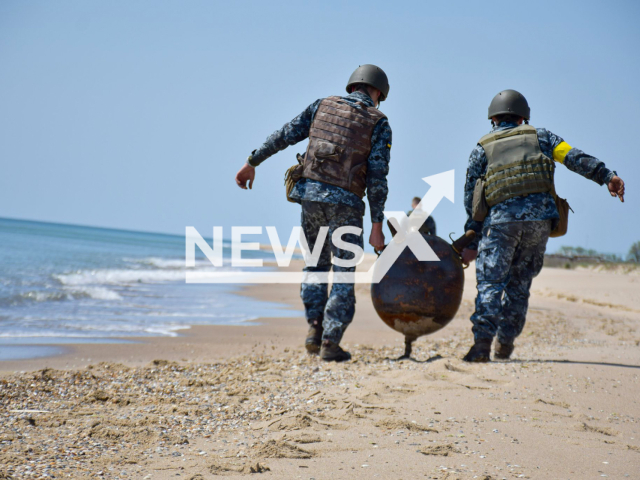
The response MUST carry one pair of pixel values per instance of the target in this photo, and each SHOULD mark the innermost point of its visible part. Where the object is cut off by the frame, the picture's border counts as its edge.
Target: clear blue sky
(137, 114)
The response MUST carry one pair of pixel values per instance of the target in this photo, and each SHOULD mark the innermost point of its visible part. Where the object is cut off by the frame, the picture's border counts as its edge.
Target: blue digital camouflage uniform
(336, 313)
(512, 239)
(511, 254)
(326, 205)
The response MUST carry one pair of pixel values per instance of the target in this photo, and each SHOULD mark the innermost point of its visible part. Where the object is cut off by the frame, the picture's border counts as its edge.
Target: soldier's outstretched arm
(377, 171)
(291, 133)
(579, 162)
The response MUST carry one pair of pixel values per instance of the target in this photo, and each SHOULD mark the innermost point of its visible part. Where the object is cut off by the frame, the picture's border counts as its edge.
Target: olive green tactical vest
(340, 144)
(515, 165)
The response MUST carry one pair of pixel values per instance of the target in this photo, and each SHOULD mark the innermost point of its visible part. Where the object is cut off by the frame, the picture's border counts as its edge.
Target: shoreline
(201, 343)
(78, 352)
(223, 401)
(194, 342)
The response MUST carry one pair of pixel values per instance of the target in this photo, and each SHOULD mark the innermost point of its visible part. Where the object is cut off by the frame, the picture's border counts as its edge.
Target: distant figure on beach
(429, 225)
(512, 206)
(348, 154)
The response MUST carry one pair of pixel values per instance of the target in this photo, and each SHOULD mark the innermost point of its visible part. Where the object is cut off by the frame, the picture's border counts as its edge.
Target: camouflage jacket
(537, 206)
(377, 164)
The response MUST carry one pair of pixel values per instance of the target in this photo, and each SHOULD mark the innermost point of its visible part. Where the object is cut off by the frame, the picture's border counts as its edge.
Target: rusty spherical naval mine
(419, 298)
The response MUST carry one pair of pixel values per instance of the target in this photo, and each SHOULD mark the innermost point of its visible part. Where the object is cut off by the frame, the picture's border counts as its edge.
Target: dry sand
(230, 401)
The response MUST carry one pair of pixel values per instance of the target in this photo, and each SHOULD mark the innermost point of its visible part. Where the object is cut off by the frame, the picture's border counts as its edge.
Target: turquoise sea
(68, 284)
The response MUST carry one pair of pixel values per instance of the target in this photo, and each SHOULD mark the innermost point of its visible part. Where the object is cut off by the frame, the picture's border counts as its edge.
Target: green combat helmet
(370, 75)
(509, 102)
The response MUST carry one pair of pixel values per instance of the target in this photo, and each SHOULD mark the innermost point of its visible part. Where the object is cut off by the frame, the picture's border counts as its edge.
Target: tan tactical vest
(340, 143)
(516, 165)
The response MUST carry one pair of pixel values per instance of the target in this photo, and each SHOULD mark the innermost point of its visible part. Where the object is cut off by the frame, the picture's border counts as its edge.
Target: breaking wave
(74, 293)
(97, 283)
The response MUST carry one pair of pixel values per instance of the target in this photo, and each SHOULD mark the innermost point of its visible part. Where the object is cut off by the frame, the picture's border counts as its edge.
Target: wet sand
(230, 401)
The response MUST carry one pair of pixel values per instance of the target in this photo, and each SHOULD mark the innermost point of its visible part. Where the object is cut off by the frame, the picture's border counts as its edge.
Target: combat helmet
(370, 75)
(509, 102)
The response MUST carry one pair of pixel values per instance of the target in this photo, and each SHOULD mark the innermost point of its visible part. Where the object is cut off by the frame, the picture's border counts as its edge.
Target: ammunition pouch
(480, 207)
(292, 176)
(560, 228)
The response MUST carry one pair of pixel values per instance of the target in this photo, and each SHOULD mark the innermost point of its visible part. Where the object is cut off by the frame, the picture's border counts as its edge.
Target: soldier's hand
(246, 174)
(616, 188)
(376, 239)
(469, 256)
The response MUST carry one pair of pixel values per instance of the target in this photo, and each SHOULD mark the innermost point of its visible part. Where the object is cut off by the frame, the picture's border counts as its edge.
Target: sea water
(67, 283)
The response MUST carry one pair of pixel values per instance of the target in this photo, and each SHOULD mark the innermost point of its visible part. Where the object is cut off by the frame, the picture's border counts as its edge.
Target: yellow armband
(561, 151)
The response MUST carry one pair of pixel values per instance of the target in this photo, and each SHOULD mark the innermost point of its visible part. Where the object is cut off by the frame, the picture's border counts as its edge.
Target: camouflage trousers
(335, 310)
(510, 255)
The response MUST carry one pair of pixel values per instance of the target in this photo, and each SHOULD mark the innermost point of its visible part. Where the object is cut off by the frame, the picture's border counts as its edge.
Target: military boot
(314, 338)
(504, 350)
(480, 352)
(332, 352)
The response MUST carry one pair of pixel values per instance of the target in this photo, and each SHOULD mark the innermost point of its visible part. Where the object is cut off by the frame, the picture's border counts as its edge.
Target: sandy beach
(226, 401)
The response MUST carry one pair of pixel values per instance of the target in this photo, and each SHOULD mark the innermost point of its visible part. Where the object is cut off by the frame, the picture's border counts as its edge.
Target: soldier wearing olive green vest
(513, 166)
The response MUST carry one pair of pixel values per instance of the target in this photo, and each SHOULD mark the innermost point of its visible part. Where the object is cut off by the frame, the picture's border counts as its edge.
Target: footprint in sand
(440, 450)
(397, 424)
(583, 427)
(402, 389)
(292, 422)
(296, 422)
(282, 449)
(219, 468)
(306, 438)
(555, 404)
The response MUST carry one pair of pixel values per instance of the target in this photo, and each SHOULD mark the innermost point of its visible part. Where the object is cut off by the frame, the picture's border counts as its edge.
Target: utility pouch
(563, 210)
(480, 207)
(327, 151)
(292, 176)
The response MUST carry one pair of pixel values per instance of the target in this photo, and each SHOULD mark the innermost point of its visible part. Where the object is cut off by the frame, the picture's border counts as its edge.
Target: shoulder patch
(388, 145)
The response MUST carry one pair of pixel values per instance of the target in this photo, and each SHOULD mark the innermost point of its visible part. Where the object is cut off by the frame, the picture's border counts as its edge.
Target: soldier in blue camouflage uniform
(512, 239)
(327, 204)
